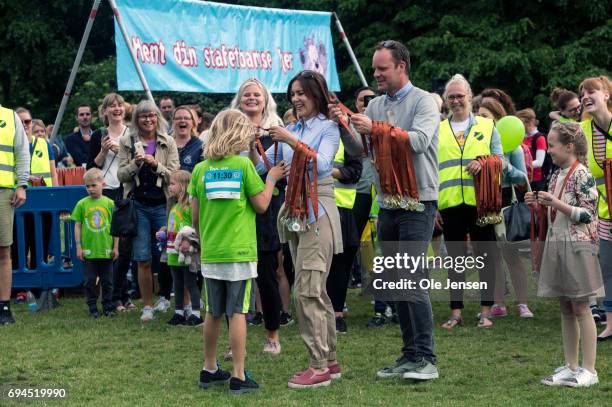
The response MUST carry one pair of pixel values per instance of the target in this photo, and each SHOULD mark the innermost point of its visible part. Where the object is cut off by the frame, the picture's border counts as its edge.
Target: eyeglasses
(149, 116)
(307, 74)
(390, 44)
(179, 118)
(455, 97)
(26, 122)
(573, 110)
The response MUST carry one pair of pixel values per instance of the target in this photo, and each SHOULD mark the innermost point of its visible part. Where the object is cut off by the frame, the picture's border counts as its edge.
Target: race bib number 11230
(223, 184)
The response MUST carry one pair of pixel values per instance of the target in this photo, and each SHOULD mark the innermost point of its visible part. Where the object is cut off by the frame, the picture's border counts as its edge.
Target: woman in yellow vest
(42, 164)
(595, 94)
(346, 172)
(568, 106)
(462, 138)
(42, 173)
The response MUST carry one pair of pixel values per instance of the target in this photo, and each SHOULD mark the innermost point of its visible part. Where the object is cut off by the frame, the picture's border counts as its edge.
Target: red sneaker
(309, 379)
(334, 371)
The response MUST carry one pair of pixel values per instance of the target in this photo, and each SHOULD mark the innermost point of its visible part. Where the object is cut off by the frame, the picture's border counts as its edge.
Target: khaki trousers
(312, 256)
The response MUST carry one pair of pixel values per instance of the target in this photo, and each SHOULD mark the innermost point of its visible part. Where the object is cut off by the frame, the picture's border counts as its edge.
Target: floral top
(581, 193)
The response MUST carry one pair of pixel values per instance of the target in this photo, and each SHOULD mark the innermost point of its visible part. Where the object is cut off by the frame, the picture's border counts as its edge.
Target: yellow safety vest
(456, 185)
(39, 163)
(345, 193)
(8, 178)
(597, 170)
(564, 119)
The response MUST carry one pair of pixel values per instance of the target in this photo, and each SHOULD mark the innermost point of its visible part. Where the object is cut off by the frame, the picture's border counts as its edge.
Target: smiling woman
(256, 101)
(145, 176)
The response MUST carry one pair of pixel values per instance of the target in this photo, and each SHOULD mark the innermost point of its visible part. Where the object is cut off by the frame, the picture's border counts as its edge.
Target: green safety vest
(564, 119)
(345, 193)
(39, 164)
(597, 170)
(456, 185)
(8, 178)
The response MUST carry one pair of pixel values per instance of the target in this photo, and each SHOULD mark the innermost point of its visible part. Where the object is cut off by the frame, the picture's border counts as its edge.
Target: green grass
(119, 362)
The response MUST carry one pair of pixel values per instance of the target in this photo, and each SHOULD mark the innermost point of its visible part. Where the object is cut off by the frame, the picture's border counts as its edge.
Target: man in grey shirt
(413, 110)
(14, 174)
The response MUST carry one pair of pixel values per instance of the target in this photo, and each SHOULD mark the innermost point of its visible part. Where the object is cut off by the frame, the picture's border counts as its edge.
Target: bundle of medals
(300, 189)
(487, 186)
(393, 160)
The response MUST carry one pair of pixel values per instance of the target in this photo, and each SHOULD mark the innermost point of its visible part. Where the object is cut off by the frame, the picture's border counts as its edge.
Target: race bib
(223, 184)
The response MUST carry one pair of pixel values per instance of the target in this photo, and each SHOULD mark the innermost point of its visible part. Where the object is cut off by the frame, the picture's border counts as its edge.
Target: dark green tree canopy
(525, 48)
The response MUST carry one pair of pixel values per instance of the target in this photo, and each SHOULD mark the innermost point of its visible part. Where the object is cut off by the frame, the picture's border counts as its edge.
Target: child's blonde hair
(571, 133)
(93, 174)
(230, 133)
(182, 178)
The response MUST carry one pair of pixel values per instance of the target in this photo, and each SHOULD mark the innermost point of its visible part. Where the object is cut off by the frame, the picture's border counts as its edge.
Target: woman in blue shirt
(312, 249)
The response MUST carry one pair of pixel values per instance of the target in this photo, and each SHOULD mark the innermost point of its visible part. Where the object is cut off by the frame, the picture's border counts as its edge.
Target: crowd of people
(270, 203)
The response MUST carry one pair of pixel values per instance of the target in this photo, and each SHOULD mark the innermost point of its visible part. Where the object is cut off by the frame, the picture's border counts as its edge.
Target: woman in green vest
(595, 95)
(462, 138)
(42, 173)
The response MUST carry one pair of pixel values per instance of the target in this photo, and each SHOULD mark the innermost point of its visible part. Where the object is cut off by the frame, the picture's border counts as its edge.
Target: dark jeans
(29, 229)
(267, 263)
(458, 222)
(288, 264)
(361, 212)
(164, 277)
(102, 268)
(183, 278)
(415, 316)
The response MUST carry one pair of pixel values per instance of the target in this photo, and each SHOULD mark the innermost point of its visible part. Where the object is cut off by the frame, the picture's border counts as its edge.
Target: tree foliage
(525, 48)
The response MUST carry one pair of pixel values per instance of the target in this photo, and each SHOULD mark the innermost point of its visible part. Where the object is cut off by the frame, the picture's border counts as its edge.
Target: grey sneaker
(423, 371)
(402, 365)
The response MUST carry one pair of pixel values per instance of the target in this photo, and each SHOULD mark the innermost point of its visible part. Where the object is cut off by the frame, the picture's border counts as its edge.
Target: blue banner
(195, 46)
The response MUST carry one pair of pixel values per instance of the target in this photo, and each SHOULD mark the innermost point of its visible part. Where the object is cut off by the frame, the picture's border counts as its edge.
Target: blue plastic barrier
(56, 201)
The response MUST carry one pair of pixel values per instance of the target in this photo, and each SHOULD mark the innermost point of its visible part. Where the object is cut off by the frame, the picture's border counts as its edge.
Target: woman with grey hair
(147, 157)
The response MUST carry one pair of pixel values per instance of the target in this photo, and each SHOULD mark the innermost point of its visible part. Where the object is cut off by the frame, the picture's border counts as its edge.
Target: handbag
(124, 222)
(516, 225)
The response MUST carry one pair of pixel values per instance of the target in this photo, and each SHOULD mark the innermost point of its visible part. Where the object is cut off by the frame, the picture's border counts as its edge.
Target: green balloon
(512, 131)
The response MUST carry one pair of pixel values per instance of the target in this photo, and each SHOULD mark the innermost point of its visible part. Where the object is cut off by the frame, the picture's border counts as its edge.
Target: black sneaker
(340, 325)
(5, 316)
(109, 313)
(208, 379)
(286, 319)
(377, 321)
(94, 313)
(395, 318)
(247, 385)
(177, 319)
(194, 320)
(257, 319)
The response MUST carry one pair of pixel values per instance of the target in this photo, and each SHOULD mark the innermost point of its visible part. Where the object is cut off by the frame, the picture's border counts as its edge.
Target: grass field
(119, 362)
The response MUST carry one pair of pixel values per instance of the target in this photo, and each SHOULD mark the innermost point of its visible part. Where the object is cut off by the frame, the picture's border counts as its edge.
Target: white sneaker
(582, 378)
(561, 377)
(147, 314)
(162, 305)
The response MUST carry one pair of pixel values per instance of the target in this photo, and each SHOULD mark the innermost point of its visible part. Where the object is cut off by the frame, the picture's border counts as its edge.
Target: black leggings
(458, 222)
(268, 288)
(183, 278)
(339, 273)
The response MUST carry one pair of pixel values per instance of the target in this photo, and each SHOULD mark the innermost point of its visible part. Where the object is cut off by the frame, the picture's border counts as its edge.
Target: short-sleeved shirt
(178, 217)
(95, 218)
(191, 154)
(226, 217)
